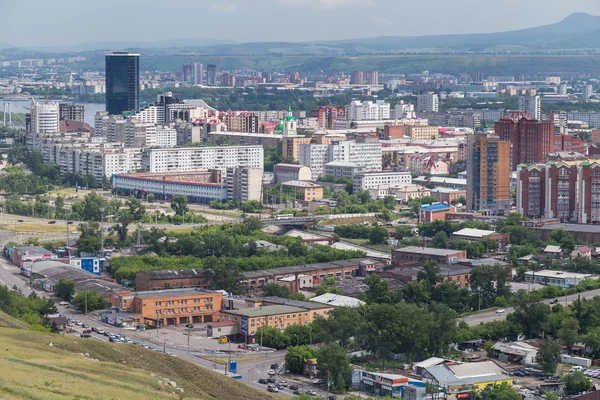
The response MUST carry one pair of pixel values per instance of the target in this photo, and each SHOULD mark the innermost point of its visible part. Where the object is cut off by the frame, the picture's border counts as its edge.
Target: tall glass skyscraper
(122, 82)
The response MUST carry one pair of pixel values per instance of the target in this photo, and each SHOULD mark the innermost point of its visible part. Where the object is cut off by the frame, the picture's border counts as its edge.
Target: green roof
(290, 118)
(585, 164)
(265, 311)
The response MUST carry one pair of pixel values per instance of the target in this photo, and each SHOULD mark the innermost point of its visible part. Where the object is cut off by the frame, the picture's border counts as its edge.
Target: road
(250, 370)
(488, 316)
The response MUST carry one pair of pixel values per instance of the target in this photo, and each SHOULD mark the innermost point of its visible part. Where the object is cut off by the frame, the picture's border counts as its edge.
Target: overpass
(298, 221)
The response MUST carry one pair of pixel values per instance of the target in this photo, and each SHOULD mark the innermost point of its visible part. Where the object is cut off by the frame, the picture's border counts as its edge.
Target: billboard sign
(244, 325)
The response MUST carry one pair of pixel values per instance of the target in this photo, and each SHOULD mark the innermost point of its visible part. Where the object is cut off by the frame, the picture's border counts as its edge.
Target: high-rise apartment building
(374, 78)
(122, 82)
(427, 102)
(72, 112)
(44, 116)
(531, 140)
(244, 184)
(197, 73)
(361, 111)
(532, 105)
(211, 74)
(568, 190)
(327, 115)
(291, 146)
(358, 78)
(488, 174)
(588, 91)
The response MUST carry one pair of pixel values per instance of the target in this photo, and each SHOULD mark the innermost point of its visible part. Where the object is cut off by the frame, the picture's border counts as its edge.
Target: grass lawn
(37, 365)
(25, 227)
(367, 243)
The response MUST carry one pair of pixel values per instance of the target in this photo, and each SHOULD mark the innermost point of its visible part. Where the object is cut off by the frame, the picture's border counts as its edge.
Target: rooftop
(546, 273)
(475, 233)
(294, 303)
(264, 311)
(32, 249)
(337, 300)
(288, 166)
(436, 207)
(572, 227)
(441, 179)
(427, 251)
(172, 292)
(172, 274)
(300, 268)
(302, 184)
(552, 249)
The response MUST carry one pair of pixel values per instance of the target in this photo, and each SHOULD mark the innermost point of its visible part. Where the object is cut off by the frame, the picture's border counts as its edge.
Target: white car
(500, 311)
(64, 303)
(271, 372)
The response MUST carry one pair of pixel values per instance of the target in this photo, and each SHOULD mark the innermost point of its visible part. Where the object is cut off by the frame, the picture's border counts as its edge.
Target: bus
(284, 216)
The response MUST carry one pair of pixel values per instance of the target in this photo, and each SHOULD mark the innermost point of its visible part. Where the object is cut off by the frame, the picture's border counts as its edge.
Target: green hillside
(44, 366)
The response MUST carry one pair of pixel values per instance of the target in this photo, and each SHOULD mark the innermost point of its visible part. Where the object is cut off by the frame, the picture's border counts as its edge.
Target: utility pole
(67, 216)
(102, 229)
(157, 324)
(86, 292)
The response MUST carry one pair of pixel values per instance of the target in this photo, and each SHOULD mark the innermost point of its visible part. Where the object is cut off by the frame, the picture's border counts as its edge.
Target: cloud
(224, 7)
(328, 4)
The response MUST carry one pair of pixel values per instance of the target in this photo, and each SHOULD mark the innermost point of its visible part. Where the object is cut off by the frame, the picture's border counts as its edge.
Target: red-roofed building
(223, 328)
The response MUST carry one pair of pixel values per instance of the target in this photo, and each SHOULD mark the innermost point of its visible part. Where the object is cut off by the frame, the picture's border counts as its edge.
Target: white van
(576, 368)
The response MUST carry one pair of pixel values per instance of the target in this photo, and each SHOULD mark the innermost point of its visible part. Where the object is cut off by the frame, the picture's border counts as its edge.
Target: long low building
(198, 186)
(413, 255)
(466, 378)
(562, 279)
(306, 276)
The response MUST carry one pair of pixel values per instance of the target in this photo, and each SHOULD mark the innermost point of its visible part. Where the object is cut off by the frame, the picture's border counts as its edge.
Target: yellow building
(308, 190)
(467, 377)
(422, 132)
(291, 146)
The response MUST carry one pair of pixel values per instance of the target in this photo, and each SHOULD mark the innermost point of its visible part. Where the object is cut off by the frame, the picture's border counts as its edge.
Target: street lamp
(67, 217)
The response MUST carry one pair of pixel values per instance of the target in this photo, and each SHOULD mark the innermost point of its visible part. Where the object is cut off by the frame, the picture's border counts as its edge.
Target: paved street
(476, 319)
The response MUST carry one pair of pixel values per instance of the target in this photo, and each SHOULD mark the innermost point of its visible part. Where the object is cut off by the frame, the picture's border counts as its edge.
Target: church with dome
(287, 126)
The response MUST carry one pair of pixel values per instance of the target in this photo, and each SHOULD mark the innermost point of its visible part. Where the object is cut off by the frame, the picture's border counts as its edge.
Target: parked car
(107, 334)
(294, 387)
(88, 331)
(100, 331)
(500, 311)
(114, 339)
(85, 335)
(263, 381)
(280, 385)
(332, 397)
(297, 391)
(318, 381)
(189, 326)
(311, 392)
(271, 372)
(20, 220)
(274, 366)
(554, 301)
(52, 222)
(271, 380)
(64, 303)
(272, 389)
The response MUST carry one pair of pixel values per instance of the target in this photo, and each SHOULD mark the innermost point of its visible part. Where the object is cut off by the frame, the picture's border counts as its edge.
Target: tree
(271, 337)
(275, 289)
(565, 240)
(333, 364)
(576, 382)
(89, 240)
(378, 235)
(440, 240)
(499, 392)
(296, 356)
(430, 274)
(568, 332)
(120, 228)
(298, 334)
(378, 290)
(548, 356)
(151, 197)
(90, 301)
(592, 341)
(59, 207)
(179, 204)
(530, 313)
(65, 289)
(223, 274)
(135, 208)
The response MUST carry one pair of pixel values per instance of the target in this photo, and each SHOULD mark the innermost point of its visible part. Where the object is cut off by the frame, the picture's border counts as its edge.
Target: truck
(567, 359)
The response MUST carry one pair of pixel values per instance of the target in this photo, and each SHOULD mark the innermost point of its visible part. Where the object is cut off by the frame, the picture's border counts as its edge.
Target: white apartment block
(342, 169)
(532, 105)
(200, 158)
(404, 111)
(44, 117)
(427, 102)
(291, 172)
(359, 111)
(244, 184)
(188, 133)
(368, 180)
(137, 132)
(315, 156)
(115, 129)
(163, 137)
(148, 115)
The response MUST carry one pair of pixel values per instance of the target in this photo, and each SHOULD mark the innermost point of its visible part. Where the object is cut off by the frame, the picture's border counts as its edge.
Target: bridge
(298, 221)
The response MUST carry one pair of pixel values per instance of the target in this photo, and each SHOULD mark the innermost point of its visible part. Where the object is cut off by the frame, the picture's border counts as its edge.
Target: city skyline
(234, 20)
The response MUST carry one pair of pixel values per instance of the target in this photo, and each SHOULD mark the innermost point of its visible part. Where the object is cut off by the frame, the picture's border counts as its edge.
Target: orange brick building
(170, 307)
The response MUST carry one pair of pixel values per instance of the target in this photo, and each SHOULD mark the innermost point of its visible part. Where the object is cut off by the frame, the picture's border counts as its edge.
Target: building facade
(368, 180)
(427, 102)
(531, 140)
(315, 156)
(488, 174)
(244, 184)
(45, 117)
(291, 172)
(122, 82)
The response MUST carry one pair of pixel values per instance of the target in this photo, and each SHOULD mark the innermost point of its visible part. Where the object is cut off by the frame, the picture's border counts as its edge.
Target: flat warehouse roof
(265, 311)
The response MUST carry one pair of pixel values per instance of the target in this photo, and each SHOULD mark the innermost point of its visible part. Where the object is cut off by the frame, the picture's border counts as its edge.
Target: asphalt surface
(476, 319)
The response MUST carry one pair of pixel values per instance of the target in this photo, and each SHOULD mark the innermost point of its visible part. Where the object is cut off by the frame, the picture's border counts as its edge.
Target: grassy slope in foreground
(90, 369)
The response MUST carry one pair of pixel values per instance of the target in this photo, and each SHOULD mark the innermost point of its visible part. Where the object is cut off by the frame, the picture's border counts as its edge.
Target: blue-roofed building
(383, 384)
(432, 212)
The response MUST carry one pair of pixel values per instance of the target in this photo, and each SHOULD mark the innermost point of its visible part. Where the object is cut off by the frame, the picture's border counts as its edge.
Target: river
(21, 106)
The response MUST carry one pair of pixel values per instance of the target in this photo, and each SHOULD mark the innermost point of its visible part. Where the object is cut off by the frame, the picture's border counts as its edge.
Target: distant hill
(577, 31)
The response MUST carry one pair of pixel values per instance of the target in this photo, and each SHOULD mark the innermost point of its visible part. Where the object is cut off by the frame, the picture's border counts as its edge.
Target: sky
(67, 22)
